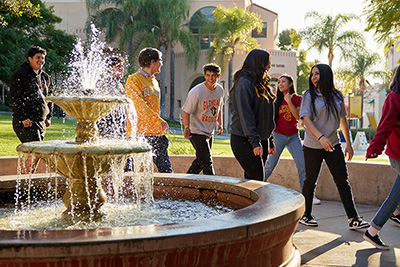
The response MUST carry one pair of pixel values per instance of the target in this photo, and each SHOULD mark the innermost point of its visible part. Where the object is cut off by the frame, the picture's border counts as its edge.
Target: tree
(142, 23)
(17, 9)
(289, 40)
(23, 32)
(362, 65)
(325, 33)
(232, 28)
(381, 18)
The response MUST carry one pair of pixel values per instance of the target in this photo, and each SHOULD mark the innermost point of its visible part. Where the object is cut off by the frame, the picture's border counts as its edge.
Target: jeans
(295, 148)
(392, 201)
(203, 161)
(160, 152)
(252, 165)
(337, 166)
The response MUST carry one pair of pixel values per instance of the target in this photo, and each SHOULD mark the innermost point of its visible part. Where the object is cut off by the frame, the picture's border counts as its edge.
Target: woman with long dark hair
(251, 103)
(323, 112)
(388, 133)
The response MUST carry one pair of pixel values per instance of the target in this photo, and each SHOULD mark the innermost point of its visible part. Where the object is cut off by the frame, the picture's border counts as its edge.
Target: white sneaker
(316, 201)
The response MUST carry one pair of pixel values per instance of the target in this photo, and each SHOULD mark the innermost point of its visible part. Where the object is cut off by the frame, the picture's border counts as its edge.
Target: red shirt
(287, 123)
(388, 132)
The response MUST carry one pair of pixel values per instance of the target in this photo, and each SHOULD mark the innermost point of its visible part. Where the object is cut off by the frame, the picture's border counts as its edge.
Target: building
(74, 15)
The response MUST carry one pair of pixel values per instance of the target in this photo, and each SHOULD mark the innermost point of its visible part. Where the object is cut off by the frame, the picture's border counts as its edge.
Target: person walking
(28, 88)
(286, 133)
(201, 113)
(323, 112)
(251, 104)
(143, 89)
(387, 134)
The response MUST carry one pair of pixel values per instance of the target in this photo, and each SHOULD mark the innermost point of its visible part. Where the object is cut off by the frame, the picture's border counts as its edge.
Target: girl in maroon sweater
(388, 133)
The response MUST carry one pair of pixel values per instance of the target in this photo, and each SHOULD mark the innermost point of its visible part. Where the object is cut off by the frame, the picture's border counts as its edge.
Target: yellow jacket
(144, 91)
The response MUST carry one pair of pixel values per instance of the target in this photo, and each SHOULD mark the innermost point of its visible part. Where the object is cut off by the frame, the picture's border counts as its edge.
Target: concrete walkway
(332, 244)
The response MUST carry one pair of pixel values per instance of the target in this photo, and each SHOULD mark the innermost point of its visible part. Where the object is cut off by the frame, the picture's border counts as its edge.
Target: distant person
(323, 112)
(113, 125)
(201, 113)
(387, 134)
(251, 103)
(142, 88)
(29, 87)
(286, 132)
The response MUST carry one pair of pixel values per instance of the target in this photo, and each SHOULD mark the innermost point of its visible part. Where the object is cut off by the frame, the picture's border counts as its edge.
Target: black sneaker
(358, 223)
(375, 240)
(396, 219)
(309, 221)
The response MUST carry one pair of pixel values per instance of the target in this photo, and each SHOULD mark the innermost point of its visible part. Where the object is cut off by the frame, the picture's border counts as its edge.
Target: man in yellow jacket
(143, 89)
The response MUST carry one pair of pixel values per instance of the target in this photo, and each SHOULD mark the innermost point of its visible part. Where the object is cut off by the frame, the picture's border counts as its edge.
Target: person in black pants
(251, 103)
(28, 88)
(201, 113)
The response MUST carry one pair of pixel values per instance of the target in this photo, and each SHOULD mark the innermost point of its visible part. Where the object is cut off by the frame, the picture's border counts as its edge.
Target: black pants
(28, 134)
(252, 165)
(203, 161)
(160, 152)
(337, 166)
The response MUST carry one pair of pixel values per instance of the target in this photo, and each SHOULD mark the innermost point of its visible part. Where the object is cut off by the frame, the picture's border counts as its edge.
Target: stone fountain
(85, 160)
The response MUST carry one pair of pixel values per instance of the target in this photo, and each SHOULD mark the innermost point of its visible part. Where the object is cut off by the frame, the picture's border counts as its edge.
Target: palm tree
(325, 33)
(363, 65)
(141, 23)
(232, 27)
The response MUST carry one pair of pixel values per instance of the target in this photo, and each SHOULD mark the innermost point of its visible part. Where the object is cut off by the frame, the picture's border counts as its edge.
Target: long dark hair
(327, 89)
(279, 94)
(395, 85)
(254, 67)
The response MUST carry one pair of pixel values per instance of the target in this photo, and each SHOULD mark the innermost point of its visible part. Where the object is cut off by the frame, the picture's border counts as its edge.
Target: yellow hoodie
(144, 91)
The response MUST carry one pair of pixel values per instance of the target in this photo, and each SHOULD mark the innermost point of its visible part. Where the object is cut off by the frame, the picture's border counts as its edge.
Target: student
(201, 113)
(31, 112)
(323, 111)
(286, 132)
(143, 89)
(251, 103)
(388, 133)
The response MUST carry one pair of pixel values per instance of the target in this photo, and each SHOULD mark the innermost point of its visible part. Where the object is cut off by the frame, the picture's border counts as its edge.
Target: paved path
(332, 244)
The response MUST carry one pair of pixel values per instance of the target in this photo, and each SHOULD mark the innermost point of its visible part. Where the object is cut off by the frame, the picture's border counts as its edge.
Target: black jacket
(252, 116)
(26, 100)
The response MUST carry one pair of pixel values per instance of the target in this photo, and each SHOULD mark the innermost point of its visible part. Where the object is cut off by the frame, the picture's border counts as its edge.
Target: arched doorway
(196, 82)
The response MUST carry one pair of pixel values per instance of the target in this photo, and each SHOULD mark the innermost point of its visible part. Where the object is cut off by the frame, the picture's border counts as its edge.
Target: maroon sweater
(388, 132)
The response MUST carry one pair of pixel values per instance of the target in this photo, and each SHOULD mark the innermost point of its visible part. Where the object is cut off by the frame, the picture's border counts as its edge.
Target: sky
(291, 15)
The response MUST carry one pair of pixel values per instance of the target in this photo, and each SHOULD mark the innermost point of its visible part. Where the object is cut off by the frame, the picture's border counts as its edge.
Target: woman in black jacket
(251, 103)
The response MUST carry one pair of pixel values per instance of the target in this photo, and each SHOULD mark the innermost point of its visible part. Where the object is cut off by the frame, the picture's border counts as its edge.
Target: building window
(262, 34)
(197, 23)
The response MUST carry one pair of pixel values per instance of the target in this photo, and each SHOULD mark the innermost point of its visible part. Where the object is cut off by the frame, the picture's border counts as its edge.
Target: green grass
(60, 129)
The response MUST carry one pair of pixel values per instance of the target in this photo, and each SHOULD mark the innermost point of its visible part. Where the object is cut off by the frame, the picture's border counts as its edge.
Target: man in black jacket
(28, 88)
(29, 85)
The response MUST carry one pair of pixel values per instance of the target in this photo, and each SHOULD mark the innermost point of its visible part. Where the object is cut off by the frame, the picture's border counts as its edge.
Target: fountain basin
(257, 234)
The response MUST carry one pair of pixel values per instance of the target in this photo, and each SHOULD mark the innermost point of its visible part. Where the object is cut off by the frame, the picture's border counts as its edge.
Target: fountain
(257, 233)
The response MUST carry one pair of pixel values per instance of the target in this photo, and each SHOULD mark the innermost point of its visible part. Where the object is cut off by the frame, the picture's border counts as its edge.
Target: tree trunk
(172, 82)
(162, 83)
(330, 56)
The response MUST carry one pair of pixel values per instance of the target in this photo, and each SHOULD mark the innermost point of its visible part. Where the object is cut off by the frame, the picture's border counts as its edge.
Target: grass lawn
(64, 129)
